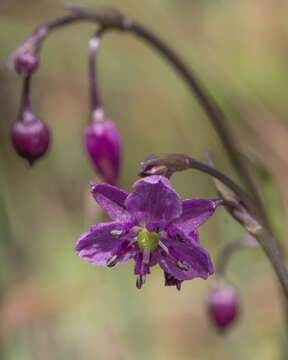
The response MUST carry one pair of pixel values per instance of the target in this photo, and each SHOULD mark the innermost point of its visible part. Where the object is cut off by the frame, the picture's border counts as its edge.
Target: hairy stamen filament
(179, 263)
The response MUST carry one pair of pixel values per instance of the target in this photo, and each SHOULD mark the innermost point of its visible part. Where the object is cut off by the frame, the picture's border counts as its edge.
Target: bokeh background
(56, 306)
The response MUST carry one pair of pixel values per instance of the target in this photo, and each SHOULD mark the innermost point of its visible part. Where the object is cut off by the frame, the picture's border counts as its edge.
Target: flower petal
(154, 200)
(112, 200)
(194, 213)
(189, 253)
(98, 245)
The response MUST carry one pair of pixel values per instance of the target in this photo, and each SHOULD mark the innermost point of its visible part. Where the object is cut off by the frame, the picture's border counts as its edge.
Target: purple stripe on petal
(189, 253)
(98, 245)
(154, 200)
(112, 200)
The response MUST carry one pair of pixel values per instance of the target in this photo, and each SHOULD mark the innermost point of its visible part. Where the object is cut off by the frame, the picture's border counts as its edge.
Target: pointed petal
(189, 253)
(98, 245)
(112, 200)
(194, 213)
(154, 200)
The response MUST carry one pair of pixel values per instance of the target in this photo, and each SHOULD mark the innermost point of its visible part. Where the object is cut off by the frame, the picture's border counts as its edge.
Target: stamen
(112, 261)
(116, 233)
(182, 266)
(140, 281)
(164, 247)
(146, 257)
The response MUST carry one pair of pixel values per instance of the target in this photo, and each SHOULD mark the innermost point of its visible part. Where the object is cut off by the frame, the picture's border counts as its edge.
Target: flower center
(147, 241)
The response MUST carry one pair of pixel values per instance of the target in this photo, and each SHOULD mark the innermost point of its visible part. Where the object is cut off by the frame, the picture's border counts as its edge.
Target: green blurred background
(56, 306)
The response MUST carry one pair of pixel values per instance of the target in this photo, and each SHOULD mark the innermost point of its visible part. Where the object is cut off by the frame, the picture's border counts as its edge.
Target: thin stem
(242, 194)
(63, 20)
(271, 249)
(25, 104)
(212, 110)
(231, 248)
(94, 90)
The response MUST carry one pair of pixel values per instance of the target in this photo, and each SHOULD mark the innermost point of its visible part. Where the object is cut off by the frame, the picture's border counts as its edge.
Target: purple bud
(30, 137)
(223, 306)
(26, 62)
(103, 146)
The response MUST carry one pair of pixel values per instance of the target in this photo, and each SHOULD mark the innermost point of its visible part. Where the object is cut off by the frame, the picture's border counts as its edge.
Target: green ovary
(147, 241)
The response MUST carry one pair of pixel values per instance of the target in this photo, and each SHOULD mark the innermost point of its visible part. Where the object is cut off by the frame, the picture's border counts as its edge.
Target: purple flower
(103, 146)
(153, 226)
(223, 306)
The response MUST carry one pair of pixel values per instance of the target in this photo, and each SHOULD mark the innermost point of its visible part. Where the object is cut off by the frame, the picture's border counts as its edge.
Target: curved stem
(231, 248)
(242, 194)
(212, 110)
(169, 163)
(112, 19)
(214, 113)
(271, 249)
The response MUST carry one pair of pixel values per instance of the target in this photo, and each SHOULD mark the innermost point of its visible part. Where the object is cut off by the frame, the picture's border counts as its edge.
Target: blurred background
(56, 306)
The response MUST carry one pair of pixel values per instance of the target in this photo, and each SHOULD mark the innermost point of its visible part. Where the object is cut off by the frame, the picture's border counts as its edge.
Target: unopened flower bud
(223, 306)
(30, 137)
(26, 62)
(102, 141)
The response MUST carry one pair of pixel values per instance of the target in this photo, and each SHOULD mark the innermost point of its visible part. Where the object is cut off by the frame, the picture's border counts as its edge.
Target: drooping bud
(30, 137)
(223, 306)
(102, 139)
(103, 145)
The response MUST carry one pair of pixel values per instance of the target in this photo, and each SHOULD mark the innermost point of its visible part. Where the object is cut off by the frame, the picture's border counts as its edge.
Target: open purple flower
(153, 226)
